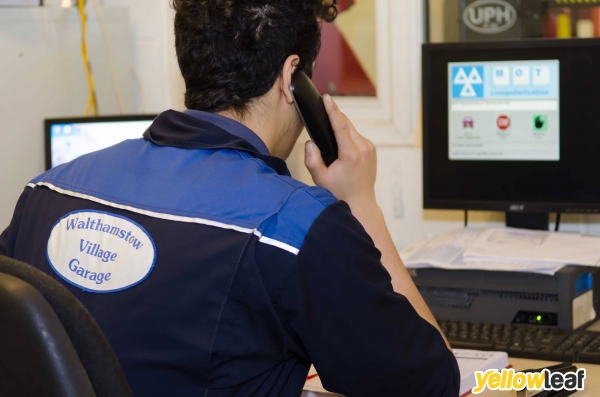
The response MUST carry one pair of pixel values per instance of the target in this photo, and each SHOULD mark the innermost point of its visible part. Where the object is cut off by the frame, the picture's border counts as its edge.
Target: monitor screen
(504, 110)
(67, 139)
(512, 125)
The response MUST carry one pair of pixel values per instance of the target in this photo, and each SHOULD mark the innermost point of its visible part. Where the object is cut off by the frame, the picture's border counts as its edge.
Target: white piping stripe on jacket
(279, 244)
(176, 218)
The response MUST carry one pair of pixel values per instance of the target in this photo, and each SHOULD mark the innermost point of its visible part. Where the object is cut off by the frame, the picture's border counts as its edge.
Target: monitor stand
(528, 221)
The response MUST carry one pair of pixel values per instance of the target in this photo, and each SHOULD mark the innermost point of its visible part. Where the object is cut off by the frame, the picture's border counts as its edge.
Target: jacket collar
(176, 129)
(233, 127)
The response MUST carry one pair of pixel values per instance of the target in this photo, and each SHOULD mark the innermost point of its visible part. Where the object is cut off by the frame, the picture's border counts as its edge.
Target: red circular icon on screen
(503, 122)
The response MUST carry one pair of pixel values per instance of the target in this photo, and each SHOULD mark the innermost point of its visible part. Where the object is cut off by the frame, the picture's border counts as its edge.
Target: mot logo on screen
(467, 82)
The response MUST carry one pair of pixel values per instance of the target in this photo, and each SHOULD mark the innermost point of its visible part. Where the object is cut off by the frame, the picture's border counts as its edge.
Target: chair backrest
(37, 357)
(49, 343)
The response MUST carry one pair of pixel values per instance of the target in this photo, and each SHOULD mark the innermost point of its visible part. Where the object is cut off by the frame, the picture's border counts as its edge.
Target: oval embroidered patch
(100, 252)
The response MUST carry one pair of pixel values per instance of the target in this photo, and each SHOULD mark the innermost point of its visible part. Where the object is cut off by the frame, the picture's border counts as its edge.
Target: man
(211, 271)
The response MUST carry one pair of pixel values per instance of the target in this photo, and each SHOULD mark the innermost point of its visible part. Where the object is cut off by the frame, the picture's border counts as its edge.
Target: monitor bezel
(505, 206)
(83, 120)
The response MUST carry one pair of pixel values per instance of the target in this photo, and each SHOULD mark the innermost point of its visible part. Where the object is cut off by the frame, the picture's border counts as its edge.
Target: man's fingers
(361, 143)
(314, 163)
(341, 126)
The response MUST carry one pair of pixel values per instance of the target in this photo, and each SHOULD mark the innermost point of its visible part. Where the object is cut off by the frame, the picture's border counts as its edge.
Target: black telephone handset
(311, 108)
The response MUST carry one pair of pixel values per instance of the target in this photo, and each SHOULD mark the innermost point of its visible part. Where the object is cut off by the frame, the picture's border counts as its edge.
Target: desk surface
(592, 380)
(313, 387)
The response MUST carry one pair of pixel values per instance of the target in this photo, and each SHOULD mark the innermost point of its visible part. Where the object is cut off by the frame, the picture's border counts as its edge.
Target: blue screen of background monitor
(71, 140)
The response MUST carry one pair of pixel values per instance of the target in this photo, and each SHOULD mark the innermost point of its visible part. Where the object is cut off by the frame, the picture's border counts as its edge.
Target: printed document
(535, 246)
(470, 361)
(447, 251)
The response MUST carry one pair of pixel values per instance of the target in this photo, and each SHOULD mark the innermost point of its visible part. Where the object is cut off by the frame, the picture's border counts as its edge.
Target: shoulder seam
(304, 189)
(260, 164)
(267, 222)
(282, 179)
(313, 196)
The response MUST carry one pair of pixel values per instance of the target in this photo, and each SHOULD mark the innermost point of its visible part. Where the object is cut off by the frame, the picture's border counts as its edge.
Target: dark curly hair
(231, 51)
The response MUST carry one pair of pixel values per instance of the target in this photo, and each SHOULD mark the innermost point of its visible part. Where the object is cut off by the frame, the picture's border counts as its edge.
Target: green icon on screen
(540, 122)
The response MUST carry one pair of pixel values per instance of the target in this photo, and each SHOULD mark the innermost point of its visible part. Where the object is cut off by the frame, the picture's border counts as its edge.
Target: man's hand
(352, 176)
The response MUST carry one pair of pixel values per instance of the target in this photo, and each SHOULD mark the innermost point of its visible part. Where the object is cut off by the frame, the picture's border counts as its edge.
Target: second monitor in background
(66, 139)
(513, 127)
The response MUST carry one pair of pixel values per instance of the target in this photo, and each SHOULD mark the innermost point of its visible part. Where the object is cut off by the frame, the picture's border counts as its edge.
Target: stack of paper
(534, 246)
(494, 249)
(470, 361)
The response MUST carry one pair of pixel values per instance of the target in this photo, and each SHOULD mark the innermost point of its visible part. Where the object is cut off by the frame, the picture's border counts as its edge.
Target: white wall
(42, 76)
(154, 53)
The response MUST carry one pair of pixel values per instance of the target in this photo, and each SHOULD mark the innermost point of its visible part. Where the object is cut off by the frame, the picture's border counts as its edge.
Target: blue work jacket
(214, 273)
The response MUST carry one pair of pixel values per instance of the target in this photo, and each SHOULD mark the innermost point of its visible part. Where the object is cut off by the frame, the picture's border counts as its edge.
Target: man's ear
(289, 67)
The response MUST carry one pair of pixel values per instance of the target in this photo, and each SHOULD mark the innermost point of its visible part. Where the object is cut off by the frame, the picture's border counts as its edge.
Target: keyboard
(525, 341)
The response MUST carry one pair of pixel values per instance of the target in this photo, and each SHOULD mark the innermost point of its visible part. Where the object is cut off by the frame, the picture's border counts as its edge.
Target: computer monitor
(67, 139)
(512, 126)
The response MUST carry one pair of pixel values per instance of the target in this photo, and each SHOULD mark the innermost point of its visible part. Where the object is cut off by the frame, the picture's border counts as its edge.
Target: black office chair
(49, 344)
